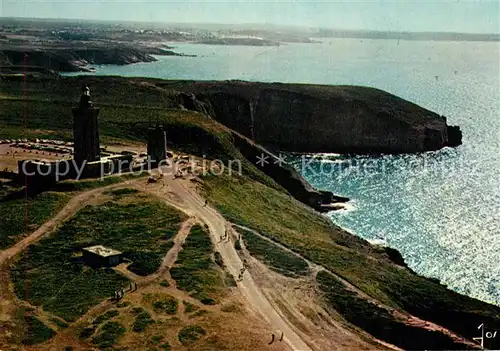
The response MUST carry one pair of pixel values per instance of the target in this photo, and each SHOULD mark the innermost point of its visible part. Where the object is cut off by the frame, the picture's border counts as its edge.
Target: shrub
(109, 335)
(196, 273)
(218, 259)
(105, 316)
(35, 331)
(142, 321)
(229, 280)
(61, 324)
(144, 262)
(190, 334)
(87, 332)
(198, 313)
(136, 310)
(156, 339)
(168, 305)
(189, 307)
(237, 245)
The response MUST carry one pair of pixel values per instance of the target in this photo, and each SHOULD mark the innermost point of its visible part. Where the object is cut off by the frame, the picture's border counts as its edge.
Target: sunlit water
(440, 209)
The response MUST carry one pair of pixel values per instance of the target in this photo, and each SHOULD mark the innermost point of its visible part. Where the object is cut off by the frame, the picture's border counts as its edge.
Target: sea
(440, 209)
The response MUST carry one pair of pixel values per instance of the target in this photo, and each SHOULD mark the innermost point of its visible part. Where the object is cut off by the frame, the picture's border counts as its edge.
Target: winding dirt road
(192, 204)
(406, 318)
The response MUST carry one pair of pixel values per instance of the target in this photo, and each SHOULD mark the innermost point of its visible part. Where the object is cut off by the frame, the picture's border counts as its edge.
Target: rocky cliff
(75, 58)
(285, 175)
(315, 118)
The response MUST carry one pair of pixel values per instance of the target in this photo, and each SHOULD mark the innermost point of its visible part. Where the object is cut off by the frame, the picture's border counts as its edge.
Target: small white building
(99, 255)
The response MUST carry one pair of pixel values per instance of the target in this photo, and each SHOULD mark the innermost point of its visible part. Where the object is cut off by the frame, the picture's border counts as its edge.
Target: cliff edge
(320, 118)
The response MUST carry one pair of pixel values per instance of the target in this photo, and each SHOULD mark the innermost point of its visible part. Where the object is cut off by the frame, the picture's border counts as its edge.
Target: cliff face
(285, 175)
(312, 118)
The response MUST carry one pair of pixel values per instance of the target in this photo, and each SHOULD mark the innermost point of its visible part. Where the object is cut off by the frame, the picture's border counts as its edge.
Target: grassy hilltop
(359, 283)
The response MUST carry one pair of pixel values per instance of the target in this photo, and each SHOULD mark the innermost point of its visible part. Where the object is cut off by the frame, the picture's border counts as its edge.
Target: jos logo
(491, 334)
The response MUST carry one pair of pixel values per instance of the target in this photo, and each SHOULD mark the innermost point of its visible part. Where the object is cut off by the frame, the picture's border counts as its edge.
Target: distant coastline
(419, 36)
(68, 46)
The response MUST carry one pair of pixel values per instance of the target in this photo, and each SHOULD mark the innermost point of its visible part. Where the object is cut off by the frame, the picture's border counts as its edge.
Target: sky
(473, 16)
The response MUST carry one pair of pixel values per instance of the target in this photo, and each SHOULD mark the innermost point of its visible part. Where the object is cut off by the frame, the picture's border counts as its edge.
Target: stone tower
(85, 130)
(157, 144)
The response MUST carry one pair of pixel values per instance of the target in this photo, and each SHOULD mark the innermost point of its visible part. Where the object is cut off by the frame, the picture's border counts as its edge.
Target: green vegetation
(87, 332)
(108, 335)
(284, 220)
(136, 310)
(137, 225)
(105, 317)
(61, 324)
(190, 334)
(189, 307)
(19, 215)
(17, 132)
(198, 313)
(142, 321)
(278, 259)
(35, 332)
(165, 346)
(67, 290)
(378, 321)
(218, 259)
(229, 280)
(237, 245)
(156, 339)
(164, 283)
(120, 192)
(166, 304)
(89, 184)
(196, 273)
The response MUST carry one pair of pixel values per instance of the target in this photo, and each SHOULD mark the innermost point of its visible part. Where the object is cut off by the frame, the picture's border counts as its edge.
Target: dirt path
(191, 203)
(8, 304)
(168, 260)
(75, 204)
(179, 239)
(406, 318)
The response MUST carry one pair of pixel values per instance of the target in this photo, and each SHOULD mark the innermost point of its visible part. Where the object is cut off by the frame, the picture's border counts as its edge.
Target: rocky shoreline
(79, 58)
